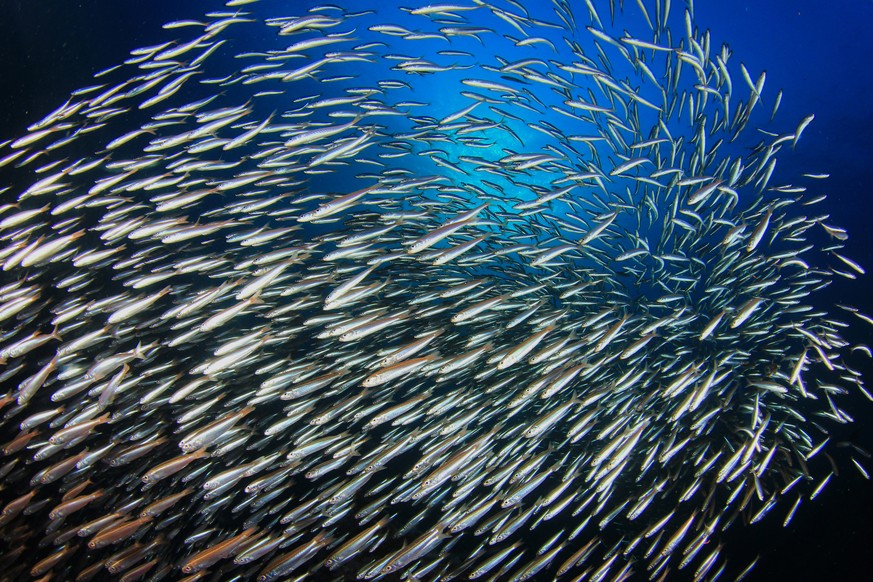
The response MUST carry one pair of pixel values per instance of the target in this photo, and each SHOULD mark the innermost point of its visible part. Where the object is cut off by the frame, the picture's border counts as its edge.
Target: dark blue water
(818, 53)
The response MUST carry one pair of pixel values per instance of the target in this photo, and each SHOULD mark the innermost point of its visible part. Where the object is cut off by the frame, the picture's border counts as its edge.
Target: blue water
(818, 53)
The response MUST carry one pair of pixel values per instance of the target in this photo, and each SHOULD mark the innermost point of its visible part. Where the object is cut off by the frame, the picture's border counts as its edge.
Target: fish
(333, 292)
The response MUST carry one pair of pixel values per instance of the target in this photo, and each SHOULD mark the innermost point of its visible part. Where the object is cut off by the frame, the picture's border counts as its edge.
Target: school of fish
(485, 289)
